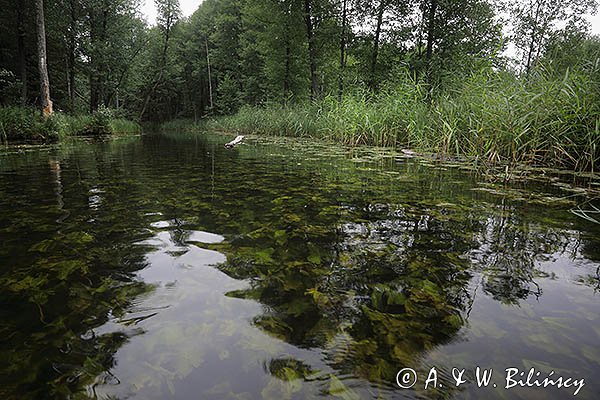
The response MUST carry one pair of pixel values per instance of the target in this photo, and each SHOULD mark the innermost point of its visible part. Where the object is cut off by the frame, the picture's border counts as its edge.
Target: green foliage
(492, 116)
(9, 87)
(99, 123)
(228, 96)
(122, 125)
(26, 124)
(535, 22)
(23, 124)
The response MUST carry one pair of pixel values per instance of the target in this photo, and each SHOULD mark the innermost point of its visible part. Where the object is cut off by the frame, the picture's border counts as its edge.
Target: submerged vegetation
(142, 264)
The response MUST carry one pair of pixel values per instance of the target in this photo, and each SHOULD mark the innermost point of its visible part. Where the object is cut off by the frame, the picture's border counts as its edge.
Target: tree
(45, 102)
(272, 55)
(572, 48)
(111, 38)
(431, 9)
(312, 50)
(459, 36)
(21, 50)
(380, 11)
(343, 49)
(71, 50)
(387, 16)
(534, 21)
(168, 15)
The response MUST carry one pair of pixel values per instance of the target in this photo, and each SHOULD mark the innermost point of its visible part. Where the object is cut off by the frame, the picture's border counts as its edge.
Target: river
(166, 266)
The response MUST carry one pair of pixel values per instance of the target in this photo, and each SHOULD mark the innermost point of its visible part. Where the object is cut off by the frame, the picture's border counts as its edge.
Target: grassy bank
(22, 124)
(495, 117)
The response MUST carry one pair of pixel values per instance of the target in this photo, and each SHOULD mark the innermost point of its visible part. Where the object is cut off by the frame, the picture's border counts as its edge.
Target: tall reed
(494, 116)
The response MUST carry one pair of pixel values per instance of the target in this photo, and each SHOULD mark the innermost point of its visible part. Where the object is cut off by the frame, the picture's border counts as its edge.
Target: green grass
(492, 116)
(19, 124)
(181, 125)
(122, 125)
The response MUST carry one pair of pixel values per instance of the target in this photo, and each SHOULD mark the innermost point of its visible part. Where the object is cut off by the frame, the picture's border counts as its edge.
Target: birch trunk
(45, 101)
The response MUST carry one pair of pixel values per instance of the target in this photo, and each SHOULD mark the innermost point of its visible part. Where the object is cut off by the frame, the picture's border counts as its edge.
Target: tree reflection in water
(374, 269)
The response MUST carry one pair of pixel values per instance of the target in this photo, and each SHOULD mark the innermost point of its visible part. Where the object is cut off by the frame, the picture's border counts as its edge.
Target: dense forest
(432, 74)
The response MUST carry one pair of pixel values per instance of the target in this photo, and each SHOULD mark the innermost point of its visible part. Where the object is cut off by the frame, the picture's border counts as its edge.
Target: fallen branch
(238, 139)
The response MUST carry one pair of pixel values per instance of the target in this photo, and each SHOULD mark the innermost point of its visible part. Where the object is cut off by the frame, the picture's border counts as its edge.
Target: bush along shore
(498, 119)
(24, 124)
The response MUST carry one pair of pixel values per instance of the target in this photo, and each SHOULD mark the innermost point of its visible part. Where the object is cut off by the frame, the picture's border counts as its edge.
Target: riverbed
(168, 267)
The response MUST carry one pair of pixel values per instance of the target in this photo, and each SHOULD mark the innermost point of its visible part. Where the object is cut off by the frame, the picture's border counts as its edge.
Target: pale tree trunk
(71, 57)
(210, 93)
(45, 101)
(312, 51)
(342, 50)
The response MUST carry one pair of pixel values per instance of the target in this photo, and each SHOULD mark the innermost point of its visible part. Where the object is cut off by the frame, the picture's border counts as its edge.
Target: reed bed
(493, 116)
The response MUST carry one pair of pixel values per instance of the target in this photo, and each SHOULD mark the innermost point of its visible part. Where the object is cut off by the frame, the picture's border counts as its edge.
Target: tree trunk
(210, 92)
(430, 31)
(238, 139)
(287, 76)
(45, 101)
(375, 53)
(94, 57)
(98, 35)
(163, 64)
(342, 50)
(93, 92)
(71, 58)
(534, 29)
(102, 81)
(312, 51)
(21, 51)
(418, 68)
(429, 48)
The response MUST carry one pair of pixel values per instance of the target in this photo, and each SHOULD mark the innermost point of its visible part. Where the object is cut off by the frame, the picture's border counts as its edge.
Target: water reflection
(169, 267)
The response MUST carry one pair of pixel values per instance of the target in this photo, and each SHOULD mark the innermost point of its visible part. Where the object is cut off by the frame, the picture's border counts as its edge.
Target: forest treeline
(433, 74)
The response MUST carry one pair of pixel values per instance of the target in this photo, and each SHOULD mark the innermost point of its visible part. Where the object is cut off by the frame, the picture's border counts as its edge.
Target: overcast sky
(189, 6)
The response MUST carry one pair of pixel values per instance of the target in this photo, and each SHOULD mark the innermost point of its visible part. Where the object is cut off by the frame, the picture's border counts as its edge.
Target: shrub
(122, 125)
(99, 123)
(26, 124)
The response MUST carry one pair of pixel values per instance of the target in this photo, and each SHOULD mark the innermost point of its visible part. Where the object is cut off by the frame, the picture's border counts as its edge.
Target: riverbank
(494, 118)
(24, 124)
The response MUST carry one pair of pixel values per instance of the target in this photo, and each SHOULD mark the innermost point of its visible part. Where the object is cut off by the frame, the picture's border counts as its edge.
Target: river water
(165, 266)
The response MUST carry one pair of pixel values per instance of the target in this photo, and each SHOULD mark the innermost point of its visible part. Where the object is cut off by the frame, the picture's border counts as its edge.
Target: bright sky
(595, 21)
(189, 6)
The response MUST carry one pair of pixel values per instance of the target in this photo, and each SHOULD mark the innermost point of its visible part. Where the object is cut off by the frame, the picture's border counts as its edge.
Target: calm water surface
(165, 266)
